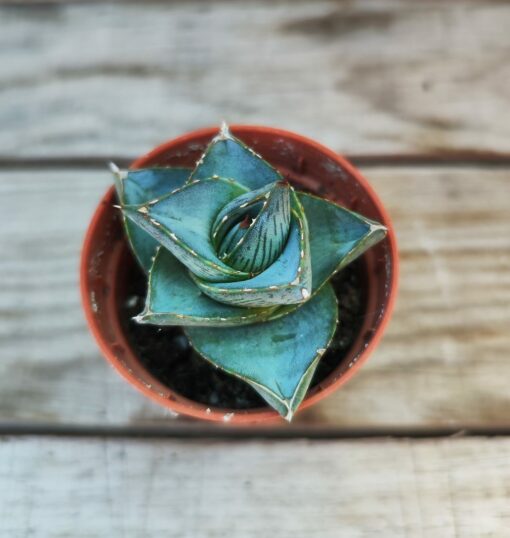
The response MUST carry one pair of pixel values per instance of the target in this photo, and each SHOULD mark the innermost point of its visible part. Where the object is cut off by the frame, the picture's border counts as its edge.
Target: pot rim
(180, 404)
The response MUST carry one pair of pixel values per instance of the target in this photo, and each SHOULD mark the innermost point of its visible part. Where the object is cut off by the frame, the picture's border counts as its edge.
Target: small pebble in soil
(168, 355)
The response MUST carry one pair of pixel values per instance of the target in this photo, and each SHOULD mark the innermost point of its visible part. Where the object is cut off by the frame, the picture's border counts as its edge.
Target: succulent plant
(242, 261)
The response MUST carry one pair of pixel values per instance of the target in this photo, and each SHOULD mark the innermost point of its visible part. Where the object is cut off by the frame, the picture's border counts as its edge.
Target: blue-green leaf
(265, 235)
(146, 184)
(287, 281)
(227, 156)
(337, 236)
(277, 358)
(182, 221)
(136, 187)
(174, 299)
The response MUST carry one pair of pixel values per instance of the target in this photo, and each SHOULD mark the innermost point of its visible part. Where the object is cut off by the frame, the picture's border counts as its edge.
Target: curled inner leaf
(286, 281)
(251, 233)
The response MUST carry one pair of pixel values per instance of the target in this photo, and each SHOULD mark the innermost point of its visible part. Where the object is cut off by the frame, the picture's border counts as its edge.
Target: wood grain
(386, 489)
(444, 354)
(362, 77)
(443, 362)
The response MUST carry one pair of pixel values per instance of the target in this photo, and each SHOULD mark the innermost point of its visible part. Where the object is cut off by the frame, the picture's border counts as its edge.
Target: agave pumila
(242, 261)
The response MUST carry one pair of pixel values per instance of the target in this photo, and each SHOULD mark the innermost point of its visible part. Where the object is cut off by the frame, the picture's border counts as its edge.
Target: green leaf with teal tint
(277, 358)
(135, 187)
(337, 236)
(229, 157)
(146, 184)
(287, 281)
(182, 221)
(174, 299)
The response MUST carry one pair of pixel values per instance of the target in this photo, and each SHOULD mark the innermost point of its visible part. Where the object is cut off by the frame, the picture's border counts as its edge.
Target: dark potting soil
(167, 354)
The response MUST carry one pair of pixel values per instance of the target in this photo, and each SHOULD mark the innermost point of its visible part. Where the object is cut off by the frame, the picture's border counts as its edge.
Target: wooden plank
(95, 488)
(442, 360)
(443, 363)
(363, 77)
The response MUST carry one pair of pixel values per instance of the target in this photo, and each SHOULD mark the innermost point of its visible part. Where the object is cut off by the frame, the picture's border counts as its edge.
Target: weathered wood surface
(443, 362)
(388, 489)
(388, 77)
(363, 77)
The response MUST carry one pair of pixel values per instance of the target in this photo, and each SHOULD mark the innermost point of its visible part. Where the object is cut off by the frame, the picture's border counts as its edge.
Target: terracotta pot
(307, 164)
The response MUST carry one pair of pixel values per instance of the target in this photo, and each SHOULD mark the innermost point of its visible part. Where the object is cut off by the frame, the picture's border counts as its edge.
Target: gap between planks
(456, 159)
(199, 431)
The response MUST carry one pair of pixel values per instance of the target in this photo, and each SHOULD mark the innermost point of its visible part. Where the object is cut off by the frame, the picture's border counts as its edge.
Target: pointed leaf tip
(228, 157)
(224, 133)
(337, 236)
(114, 169)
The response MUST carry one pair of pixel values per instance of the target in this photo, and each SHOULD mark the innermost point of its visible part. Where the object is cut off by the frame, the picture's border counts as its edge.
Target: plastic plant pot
(309, 166)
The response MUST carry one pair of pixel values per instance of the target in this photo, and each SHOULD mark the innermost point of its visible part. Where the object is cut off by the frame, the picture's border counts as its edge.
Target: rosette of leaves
(242, 261)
